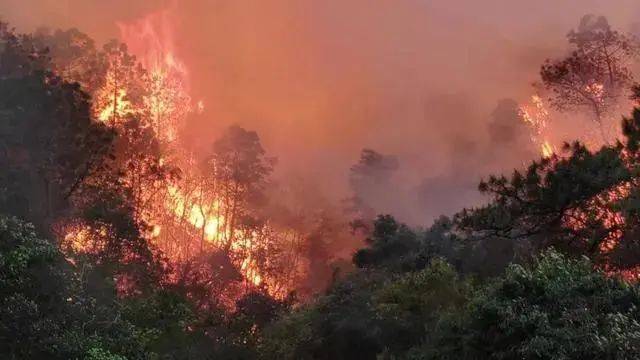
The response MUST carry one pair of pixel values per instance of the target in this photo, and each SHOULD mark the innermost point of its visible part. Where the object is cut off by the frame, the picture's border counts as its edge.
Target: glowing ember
(597, 92)
(81, 238)
(601, 210)
(77, 239)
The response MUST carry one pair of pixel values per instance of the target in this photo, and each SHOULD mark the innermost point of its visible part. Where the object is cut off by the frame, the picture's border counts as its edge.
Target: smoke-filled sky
(321, 79)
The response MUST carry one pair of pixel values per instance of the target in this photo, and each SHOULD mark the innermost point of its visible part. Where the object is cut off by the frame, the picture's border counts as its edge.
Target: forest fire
(190, 205)
(361, 183)
(187, 215)
(168, 103)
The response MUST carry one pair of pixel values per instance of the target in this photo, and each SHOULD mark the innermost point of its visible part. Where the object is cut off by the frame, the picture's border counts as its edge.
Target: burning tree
(166, 102)
(239, 168)
(142, 197)
(121, 86)
(536, 116)
(582, 203)
(74, 57)
(510, 123)
(596, 76)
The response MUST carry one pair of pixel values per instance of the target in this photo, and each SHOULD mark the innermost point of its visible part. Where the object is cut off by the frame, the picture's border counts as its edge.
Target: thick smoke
(424, 81)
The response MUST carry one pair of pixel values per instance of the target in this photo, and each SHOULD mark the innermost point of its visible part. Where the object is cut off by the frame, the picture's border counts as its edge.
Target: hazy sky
(321, 79)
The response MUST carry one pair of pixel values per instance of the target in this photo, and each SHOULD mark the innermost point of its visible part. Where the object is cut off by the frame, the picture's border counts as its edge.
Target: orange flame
(199, 216)
(547, 150)
(166, 104)
(118, 106)
(167, 100)
(536, 116)
(181, 213)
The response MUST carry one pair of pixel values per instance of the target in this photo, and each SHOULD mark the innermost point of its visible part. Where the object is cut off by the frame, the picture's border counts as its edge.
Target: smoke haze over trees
(319, 180)
(354, 76)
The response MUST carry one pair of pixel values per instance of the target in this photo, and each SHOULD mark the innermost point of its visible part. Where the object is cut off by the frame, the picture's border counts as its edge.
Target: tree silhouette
(596, 75)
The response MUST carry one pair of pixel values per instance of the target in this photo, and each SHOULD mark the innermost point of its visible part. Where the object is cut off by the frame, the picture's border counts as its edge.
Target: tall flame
(165, 104)
(536, 116)
(185, 215)
(167, 100)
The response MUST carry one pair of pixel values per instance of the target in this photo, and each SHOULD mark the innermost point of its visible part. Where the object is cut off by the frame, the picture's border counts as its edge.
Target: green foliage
(411, 305)
(101, 354)
(561, 202)
(49, 142)
(293, 336)
(44, 311)
(555, 309)
(389, 244)
(32, 291)
(366, 315)
(51, 309)
(341, 325)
